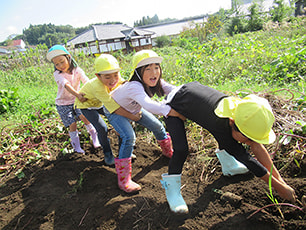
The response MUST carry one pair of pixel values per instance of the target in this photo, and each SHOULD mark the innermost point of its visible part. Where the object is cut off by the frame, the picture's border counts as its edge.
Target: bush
(8, 100)
(162, 41)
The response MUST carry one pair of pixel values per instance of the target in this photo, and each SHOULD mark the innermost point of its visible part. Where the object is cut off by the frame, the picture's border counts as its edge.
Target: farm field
(44, 185)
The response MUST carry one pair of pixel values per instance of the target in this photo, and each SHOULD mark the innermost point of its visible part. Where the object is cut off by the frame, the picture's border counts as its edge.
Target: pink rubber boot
(124, 172)
(166, 146)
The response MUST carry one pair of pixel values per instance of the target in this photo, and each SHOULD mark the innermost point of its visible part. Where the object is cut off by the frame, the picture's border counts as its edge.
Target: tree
(147, 21)
(48, 34)
(162, 41)
(202, 30)
(280, 11)
(255, 21)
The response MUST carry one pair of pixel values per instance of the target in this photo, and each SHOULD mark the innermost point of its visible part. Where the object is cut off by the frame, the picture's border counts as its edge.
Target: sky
(17, 15)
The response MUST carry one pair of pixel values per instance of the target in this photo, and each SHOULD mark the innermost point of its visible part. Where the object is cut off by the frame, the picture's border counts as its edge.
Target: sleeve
(83, 76)
(60, 81)
(138, 93)
(167, 87)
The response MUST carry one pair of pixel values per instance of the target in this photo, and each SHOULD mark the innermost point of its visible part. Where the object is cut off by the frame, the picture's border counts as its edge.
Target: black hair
(158, 90)
(72, 64)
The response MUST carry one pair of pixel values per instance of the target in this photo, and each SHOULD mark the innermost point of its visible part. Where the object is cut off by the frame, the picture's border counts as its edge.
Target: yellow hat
(106, 64)
(145, 57)
(252, 115)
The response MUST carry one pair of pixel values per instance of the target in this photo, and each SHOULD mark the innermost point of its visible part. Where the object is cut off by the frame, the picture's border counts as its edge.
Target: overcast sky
(16, 15)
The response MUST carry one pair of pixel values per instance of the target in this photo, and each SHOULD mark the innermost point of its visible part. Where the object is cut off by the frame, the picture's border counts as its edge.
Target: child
(97, 91)
(232, 121)
(68, 76)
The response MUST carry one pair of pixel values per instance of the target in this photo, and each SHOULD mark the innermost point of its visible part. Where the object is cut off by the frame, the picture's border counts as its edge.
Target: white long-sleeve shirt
(132, 97)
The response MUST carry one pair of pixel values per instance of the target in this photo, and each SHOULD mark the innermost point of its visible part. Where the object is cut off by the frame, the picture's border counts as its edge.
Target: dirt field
(76, 191)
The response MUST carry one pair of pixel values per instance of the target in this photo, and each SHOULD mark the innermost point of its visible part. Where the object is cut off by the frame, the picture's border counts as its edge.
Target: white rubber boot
(172, 186)
(75, 142)
(230, 166)
(93, 133)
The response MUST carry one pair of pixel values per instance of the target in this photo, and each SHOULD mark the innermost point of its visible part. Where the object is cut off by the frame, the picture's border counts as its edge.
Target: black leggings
(176, 128)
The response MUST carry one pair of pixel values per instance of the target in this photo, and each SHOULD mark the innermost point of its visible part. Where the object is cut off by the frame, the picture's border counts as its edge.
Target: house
(19, 44)
(14, 45)
(112, 37)
(171, 29)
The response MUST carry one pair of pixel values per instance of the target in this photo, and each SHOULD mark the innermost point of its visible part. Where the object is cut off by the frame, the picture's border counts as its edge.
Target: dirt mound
(78, 191)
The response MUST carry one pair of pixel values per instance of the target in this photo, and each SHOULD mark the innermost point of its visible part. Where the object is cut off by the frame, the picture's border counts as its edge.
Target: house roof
(107, 32)
(171, 28)
(16, 42)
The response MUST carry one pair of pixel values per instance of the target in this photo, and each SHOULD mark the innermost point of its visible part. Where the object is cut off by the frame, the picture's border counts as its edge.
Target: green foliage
(202, 31)
(256, 20)
(271, 197)
(289, 66)
(147, 21)
(236, 25)
(48, 34)
(162, 41)
(280, 11)
(9, 100)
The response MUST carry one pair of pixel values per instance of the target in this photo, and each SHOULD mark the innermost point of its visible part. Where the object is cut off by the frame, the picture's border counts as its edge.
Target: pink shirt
(63, 96)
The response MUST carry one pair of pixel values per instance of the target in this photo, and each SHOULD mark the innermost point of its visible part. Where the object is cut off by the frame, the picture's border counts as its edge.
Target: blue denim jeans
(123, 126)
(94, 117)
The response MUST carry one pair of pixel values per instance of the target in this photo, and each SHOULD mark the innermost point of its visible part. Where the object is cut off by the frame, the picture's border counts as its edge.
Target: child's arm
(284, 190)
(75, 93)
(263, 157)
(121, 111)
(173, 113)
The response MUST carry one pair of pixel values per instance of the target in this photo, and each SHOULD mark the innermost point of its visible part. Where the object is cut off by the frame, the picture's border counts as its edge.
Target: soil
(76, 191)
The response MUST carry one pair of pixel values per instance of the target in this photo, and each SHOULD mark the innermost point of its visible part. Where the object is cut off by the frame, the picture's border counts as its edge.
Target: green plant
(275, 203)
(9, 100)
(280, 11)
(162, 41)
(79, 184)
(256, 20)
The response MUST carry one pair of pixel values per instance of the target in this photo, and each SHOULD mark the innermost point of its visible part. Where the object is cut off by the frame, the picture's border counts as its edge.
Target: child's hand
(287, 193)
(173, 113)
(138, 116)
(81, 97)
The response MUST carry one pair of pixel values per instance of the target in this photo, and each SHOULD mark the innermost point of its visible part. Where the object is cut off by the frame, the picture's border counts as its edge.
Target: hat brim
(267, 140)
(110, 71)
(148, 61)
(54, 53)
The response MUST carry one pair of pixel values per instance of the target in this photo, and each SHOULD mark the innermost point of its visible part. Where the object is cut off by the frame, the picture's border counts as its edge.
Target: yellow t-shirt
(98, 95)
